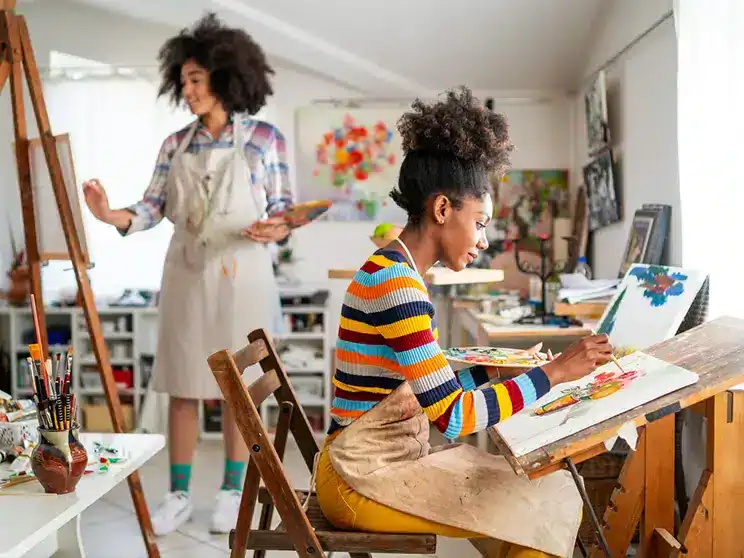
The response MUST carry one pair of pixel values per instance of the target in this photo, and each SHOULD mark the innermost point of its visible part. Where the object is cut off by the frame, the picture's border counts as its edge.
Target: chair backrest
(265, 463)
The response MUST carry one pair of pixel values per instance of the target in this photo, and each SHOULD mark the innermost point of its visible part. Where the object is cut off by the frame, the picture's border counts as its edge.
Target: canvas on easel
(51, 238)
(608, 392)
(649, 305)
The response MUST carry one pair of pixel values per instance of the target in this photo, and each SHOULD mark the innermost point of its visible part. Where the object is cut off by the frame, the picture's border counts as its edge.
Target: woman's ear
(441, 207)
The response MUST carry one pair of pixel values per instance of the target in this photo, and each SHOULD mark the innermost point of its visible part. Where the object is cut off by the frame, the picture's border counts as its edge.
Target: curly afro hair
(238, 70)
(450, 146)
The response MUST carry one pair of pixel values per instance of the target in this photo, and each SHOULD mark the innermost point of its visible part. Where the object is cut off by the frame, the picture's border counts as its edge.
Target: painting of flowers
(350, 156)
(604, 394)
(649, 306)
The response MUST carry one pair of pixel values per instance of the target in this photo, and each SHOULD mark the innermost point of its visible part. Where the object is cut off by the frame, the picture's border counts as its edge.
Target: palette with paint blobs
(495, 356)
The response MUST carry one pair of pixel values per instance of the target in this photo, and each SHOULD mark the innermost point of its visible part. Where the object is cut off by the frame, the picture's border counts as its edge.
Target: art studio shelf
(130, 334)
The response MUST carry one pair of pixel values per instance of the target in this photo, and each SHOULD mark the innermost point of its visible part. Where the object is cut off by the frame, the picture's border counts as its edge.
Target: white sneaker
(175, 510)
(225, 515)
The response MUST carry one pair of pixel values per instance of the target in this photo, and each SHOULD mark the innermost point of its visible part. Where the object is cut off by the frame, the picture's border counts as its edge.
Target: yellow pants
(347, 509)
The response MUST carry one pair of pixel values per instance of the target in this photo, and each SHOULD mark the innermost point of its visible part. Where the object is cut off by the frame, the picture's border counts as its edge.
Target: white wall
(642, 104)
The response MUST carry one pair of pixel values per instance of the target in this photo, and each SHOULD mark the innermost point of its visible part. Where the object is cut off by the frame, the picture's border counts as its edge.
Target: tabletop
(28, 516)
(439, 276)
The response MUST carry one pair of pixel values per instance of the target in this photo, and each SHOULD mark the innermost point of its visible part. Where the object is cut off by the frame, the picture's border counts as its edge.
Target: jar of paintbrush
(59, 459)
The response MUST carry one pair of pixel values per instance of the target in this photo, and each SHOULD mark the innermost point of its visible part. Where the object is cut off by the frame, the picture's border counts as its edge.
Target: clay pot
(59, 460)
(19, 287)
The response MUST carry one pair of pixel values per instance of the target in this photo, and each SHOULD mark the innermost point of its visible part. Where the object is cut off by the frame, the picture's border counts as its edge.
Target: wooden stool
(302, 529)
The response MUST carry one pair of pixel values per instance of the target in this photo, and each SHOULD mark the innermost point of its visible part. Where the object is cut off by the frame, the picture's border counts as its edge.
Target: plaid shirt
(262, 137)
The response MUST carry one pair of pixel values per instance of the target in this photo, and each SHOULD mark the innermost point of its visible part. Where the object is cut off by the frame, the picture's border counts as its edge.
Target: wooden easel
(16, 52)
(711, 527)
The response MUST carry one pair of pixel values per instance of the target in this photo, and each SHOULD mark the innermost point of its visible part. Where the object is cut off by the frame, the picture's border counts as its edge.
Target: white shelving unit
(306, 324)
(131, 336)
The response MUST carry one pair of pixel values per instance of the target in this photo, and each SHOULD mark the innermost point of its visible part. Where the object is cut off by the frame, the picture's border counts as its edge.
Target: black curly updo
(450, 147)
(238, 70)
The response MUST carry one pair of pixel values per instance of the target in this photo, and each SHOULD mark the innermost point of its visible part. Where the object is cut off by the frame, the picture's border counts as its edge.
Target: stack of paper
(575, 287)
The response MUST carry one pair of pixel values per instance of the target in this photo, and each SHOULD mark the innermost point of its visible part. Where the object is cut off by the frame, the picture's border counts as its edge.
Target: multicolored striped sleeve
(397, 306)
(149, 211)
(279, 194)
(473, 377)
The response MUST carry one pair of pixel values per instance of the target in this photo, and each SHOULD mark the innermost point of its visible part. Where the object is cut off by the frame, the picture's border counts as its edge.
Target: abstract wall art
(351, 156)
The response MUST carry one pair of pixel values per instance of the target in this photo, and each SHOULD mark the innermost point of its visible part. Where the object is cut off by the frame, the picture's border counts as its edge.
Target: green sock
(233, 479)
(180, 476)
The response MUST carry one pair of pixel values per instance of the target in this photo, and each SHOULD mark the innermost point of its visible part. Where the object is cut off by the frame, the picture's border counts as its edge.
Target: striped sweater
(387, 336)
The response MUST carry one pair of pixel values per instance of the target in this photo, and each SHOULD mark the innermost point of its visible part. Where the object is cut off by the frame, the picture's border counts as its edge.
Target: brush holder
(59, 460)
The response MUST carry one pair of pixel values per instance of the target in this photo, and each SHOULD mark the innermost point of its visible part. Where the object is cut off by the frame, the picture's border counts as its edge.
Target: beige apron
(385, 456)
(217, 285)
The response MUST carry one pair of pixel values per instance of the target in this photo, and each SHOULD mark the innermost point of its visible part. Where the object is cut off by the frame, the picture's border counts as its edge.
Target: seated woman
(377, 471)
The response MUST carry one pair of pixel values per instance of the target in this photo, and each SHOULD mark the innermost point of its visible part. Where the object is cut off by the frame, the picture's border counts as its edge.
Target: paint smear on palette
(658, 284)
(495, 356)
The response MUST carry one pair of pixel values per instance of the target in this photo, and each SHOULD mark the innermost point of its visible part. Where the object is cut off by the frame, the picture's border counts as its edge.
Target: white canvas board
(525, 432)
(50, 235)
(649, 305)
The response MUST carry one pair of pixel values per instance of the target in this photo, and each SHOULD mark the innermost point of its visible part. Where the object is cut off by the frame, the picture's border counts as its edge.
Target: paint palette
(303, 213)
(496, 356)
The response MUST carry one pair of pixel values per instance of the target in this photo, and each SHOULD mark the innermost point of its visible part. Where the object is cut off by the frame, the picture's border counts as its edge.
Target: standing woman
(218, 180)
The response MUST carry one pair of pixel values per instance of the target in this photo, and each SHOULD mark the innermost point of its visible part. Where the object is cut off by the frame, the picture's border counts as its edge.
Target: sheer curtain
(116, 127)
(710, 89)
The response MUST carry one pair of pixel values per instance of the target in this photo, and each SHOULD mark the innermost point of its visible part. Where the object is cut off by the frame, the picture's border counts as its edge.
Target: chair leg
(264, 524)
(245, 513)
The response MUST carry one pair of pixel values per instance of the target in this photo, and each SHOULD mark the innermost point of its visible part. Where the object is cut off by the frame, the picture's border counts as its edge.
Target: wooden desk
(711, 528)
(31, 520)
(440, 276)
(469, 322)
(590, 309)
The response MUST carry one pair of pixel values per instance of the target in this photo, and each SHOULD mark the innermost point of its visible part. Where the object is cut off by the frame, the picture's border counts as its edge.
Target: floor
(110, 528)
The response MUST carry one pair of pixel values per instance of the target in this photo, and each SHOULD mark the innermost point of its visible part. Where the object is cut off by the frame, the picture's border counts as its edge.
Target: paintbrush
(612, 357)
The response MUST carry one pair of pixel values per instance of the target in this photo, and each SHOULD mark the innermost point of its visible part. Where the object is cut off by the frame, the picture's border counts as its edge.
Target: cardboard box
(96, 418)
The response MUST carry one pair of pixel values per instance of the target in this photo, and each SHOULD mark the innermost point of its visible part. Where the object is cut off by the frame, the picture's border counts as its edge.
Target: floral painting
(650, 304)
(575, 406)
(351, 156)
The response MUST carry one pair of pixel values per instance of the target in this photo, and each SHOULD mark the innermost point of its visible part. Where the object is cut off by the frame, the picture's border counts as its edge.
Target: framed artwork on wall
(601, 191)
(595, 109)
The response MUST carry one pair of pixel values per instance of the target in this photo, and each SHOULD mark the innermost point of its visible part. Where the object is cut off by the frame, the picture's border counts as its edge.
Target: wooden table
(30, 519)
(591, 309)
(712, 527)
(472, 324)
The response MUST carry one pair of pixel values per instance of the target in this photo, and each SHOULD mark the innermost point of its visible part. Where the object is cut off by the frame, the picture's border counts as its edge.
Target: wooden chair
(303, 528)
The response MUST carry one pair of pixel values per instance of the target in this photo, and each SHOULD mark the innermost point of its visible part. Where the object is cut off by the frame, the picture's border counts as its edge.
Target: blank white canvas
(642, 320)
(526, 432)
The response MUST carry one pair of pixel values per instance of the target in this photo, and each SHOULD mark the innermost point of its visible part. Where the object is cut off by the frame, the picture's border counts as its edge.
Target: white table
(29, 519)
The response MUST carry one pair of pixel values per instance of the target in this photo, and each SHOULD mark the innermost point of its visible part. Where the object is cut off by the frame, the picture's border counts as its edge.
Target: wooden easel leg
(626, 504)
(658, 500)
(712, 526)
(22, 53)
(10, 32)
